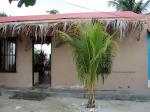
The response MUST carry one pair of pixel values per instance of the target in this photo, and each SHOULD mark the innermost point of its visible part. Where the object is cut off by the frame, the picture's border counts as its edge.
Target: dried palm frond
(41, 30)
(125, 27)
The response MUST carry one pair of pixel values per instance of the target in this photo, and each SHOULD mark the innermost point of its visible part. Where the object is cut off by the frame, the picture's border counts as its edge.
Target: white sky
(45, 47)
(42, 6)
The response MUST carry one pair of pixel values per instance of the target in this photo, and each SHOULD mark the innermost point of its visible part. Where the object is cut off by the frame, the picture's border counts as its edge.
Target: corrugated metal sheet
(86, 15)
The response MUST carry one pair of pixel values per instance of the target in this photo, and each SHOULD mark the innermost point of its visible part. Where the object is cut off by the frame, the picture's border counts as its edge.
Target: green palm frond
(145, 6)
(114, 4)
(130, 5)
(93, 51)
(138, 7)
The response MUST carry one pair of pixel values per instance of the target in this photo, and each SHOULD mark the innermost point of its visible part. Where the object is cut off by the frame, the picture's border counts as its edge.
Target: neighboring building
(130, 69)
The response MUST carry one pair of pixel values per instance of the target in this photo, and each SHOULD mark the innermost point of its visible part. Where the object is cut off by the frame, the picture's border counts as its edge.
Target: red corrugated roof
(85, 15)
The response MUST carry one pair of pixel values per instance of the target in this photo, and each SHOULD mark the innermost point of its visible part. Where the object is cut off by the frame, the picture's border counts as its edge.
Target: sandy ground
(59, 104)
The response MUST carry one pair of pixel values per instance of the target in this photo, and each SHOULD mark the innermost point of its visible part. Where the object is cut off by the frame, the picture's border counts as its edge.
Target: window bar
(7, 55)
(15, 53)
(8, 51)
(12, 56)
(3, 55)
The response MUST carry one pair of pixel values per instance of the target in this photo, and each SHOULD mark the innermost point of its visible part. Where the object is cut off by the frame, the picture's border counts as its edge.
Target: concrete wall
(130, 68)
(23, 76)
(63, 70)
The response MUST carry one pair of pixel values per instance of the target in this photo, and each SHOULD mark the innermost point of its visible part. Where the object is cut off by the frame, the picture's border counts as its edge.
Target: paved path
(63, 104)
(132, 95)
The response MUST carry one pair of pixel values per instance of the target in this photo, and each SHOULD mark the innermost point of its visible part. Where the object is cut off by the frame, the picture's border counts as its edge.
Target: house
(18, 34)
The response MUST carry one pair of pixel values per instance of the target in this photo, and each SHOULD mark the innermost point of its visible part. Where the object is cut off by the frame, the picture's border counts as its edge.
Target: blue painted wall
(148, 40)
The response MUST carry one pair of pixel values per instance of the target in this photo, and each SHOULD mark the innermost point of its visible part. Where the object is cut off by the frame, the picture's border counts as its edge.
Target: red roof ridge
(82, 15)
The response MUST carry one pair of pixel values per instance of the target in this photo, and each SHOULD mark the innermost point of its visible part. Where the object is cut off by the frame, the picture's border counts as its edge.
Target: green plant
(53, 11)
(130, 5)
(25, 2)
(39, 57)
(3, 14)
(93, 53)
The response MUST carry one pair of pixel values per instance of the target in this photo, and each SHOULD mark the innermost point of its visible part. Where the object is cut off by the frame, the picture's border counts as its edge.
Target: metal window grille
(7, 55)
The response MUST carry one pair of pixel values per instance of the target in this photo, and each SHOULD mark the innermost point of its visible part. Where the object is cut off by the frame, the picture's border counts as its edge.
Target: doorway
(41, 65)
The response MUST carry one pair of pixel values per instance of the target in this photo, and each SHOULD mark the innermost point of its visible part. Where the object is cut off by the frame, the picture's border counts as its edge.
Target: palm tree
(53, 11)
(93, 53)
(130, 5)
(26, 2)
(2, 14)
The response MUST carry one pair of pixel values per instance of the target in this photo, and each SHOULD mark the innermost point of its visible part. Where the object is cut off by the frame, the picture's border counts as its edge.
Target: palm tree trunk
(91, 98)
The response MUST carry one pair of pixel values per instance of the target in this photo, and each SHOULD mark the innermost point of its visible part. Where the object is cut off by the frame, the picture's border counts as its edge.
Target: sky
(42, 6)
(62, 6)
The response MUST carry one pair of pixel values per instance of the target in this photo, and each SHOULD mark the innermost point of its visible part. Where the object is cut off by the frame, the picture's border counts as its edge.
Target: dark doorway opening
(41, 64)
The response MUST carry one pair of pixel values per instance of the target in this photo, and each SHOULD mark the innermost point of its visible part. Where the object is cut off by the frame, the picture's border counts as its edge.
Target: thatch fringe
(125, 27)
(22, 29)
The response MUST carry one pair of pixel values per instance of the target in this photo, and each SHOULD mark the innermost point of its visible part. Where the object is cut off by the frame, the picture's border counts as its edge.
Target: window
(7, 55)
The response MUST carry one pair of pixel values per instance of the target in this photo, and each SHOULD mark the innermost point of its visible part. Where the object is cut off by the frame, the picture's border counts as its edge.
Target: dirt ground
(62, 104)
